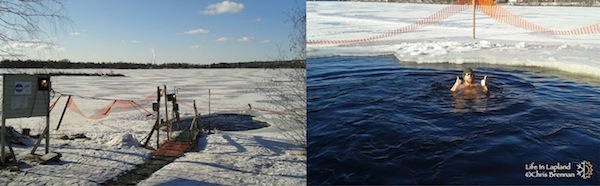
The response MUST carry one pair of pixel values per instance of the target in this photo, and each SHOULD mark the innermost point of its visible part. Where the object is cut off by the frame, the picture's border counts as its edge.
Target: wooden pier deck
(178, 146)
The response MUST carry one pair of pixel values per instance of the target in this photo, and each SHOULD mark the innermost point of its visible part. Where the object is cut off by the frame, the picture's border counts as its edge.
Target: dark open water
(224, 122)
(372, 120)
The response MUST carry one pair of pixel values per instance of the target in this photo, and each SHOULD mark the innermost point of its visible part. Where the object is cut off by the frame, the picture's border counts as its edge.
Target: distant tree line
(66, 64)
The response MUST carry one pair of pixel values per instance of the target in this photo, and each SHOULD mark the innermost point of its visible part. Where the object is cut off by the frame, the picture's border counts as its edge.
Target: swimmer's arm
(484, 84)
(456, 84)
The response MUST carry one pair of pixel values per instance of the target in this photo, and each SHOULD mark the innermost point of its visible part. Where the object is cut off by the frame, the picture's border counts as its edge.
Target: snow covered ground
(449, 41)
(235, 159)
(267, 157)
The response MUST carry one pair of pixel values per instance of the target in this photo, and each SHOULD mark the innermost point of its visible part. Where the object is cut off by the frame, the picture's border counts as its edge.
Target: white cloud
(41, 46)
(195, 47)
(60, 49)
(20, 46)
(197, 31)
(258, 20)
(245, 39)
(135, 42)
(223, 39)
(75, 33)
(266, 41)
(224, 7)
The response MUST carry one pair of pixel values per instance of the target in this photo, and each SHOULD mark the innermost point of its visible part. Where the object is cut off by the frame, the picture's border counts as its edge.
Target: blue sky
(192, 31)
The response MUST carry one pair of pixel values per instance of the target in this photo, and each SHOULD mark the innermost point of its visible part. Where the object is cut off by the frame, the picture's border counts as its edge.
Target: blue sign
(18, 87)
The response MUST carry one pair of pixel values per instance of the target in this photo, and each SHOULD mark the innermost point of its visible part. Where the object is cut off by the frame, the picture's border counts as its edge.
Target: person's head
(468, 75)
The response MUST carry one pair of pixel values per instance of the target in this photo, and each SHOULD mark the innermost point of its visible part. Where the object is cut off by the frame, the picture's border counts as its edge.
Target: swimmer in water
(468, 87)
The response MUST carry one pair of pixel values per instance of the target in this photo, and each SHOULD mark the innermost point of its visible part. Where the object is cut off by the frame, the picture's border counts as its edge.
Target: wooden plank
(168, 153)
(176, 146)
(172, 149)
(12, 152)
(50, 157)
(37, 144)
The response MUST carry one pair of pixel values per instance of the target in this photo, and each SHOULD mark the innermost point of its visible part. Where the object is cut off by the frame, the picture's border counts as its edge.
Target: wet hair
(468, 70)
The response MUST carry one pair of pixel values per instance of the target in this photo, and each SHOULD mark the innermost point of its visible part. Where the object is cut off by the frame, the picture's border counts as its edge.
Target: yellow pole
(474, 9)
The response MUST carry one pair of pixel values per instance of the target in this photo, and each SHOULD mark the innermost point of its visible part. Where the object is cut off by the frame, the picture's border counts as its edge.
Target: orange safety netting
(491, 8)
(129, 104)
(106, 110)
(488, 7)
(99, 115)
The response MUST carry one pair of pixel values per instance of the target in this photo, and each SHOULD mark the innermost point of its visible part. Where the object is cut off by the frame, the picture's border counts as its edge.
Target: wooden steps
(178, 146)
(172, 149)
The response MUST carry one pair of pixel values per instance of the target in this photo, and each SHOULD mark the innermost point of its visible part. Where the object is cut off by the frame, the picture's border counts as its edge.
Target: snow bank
(125, 140)
(570, 58)
(449, 41)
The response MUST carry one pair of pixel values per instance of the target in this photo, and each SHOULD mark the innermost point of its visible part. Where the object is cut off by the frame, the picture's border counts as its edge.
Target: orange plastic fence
(129, 105)
(106, 110)
(490, 8)
(487, 7)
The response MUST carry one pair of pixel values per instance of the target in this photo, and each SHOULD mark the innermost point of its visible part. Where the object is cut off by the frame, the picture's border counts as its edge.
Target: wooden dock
(177, 147)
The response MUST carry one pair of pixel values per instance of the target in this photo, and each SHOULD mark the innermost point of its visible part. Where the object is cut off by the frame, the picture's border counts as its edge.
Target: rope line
(54, 104)
(135, 105)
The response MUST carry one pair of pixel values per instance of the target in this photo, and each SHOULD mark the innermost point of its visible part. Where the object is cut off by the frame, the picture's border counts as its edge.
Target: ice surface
(449, 41)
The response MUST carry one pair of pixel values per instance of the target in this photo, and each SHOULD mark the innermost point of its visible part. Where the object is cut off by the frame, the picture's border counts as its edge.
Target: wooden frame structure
(159, 123)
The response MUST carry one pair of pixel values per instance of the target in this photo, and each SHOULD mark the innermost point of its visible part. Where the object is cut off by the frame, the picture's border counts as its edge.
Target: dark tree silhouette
(23, 24)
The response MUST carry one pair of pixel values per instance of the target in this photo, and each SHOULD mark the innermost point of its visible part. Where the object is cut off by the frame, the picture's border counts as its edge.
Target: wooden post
(12, 152)
(47, 149)
(150, 135)
(177, 114)
(37, 143)
(3, 139)
(197, 117)
(474, 10)
(177, 111)
(158, 118)
(208, 111)
(167, 115)
(194, 123)
(63, 112)
(157, 122)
